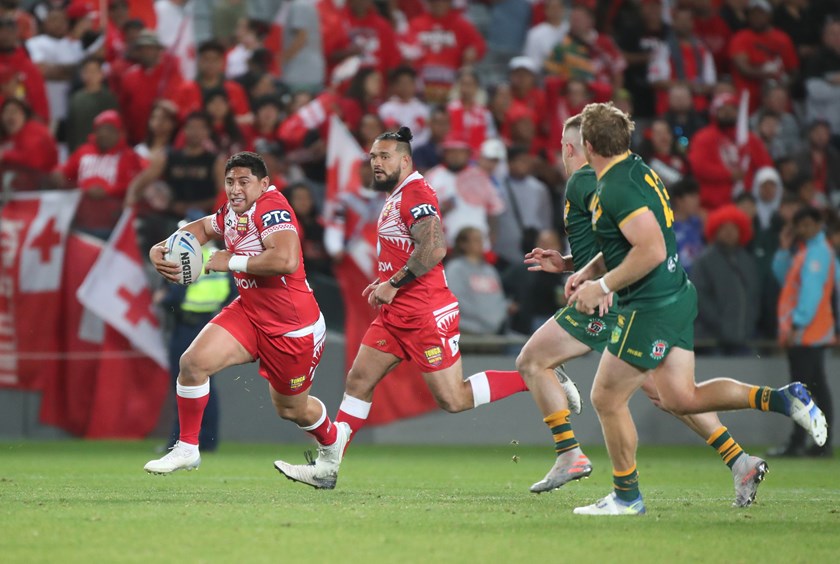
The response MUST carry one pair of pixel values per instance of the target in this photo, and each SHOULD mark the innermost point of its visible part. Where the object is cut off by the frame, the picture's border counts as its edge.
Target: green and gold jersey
(580, 188)
(625, 190)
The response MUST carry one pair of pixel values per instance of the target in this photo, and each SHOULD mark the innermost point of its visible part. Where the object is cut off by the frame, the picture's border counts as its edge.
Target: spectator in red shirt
(447, 42)
(713, 32)
(682, 58)
(721, 165)
(155, 76)
(192, 95)
(761, 53)
(469, 119)
(524, 85)
(27, 145)
(14, 56)
(102, 168)
(372, 35)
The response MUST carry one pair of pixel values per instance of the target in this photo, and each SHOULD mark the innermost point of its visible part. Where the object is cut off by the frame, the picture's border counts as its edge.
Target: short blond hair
(607, 129)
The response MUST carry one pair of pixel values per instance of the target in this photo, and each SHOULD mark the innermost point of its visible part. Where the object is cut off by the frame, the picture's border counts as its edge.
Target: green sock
(626, 485)
(728, 449)
(765, 398)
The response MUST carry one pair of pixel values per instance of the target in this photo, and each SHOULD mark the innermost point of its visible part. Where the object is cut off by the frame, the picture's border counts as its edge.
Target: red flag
(33, 233)
(351, 213)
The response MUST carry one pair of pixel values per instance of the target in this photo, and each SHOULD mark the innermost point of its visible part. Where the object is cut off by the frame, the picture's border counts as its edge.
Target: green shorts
(643, 337)
(591, 330)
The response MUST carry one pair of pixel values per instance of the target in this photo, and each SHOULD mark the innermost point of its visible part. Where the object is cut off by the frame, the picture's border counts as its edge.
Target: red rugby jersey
(275, 304)
(411, 201)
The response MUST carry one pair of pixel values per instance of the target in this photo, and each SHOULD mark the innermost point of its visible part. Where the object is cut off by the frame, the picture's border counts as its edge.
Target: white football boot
(321, 473)
(180, 457)
(611, 505)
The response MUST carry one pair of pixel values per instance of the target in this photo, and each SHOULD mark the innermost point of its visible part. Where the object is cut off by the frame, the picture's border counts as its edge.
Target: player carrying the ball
(275, 319)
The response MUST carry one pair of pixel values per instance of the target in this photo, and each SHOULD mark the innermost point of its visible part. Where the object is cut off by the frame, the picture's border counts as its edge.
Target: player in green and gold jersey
(571, 334)
(653, 334)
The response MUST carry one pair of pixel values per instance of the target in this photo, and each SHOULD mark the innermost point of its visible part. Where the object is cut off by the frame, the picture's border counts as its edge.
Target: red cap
(454, 141)
(108, 117)
(723, 99)
(729, 214)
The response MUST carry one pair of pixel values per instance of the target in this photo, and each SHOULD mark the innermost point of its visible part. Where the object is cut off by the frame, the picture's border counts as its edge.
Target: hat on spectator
(147, 38)
(493, 149)
(454, 141)
(761, 5)
(108, 117)
(729, 214)
(723, 99)
(523, 62)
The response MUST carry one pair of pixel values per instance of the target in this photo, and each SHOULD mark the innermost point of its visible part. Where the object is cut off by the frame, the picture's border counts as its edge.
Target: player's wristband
(408, 276)
(604, 286)
(238, 263)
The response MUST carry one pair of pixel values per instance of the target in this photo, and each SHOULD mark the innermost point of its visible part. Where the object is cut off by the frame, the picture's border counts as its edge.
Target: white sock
(193, 392)
(480, 388)
(359, 409)
(320, 419)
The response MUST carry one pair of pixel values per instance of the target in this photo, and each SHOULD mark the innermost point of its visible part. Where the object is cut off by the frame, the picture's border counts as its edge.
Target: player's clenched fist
(168, 269)
(218, 262)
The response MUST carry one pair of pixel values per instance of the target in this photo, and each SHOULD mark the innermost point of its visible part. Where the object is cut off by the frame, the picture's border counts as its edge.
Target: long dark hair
(231, 128)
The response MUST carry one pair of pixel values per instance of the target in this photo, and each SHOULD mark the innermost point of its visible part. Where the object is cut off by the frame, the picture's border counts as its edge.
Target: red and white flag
(116, 290)
(353, 211)
(33, 236)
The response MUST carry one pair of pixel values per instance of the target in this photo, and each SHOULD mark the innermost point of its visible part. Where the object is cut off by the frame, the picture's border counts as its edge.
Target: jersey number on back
(656, 183)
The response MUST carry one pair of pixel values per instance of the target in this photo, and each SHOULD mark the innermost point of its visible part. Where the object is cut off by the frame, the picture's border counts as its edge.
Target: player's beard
(388, 184)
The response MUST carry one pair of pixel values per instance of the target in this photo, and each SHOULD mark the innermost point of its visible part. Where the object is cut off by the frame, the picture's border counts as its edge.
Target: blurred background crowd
(139, 103)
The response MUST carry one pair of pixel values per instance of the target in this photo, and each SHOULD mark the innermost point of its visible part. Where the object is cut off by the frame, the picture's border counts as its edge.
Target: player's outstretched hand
(218, 262)
(572, 284)
(547, 260)
(167, 269)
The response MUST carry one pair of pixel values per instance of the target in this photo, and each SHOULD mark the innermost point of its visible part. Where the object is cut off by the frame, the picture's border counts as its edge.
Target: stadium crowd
(143, 106)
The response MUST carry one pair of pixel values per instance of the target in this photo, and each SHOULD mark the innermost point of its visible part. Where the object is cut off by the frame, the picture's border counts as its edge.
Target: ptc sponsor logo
(657, 352)
(423, 210)
(434, 356)
(186, 269)
(245, 283)
(385, 266)
(276, 217)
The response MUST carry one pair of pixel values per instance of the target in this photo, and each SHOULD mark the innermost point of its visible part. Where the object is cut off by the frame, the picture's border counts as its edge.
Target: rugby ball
(185, 250)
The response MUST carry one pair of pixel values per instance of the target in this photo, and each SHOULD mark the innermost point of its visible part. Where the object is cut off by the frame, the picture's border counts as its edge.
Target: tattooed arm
(429, 250)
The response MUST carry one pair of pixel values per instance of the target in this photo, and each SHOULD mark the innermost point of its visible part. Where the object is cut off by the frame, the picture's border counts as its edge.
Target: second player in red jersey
(275, 319)
(418, 315)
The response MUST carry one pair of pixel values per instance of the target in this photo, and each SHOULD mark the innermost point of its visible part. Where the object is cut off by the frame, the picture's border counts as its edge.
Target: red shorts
(430, 340)
(287, 361)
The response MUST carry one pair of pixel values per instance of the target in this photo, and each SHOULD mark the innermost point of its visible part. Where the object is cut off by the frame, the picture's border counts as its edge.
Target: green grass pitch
(91, 502)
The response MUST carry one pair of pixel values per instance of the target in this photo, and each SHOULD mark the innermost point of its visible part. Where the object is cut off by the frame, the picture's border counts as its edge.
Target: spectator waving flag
(351, 213)
(116, 290)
